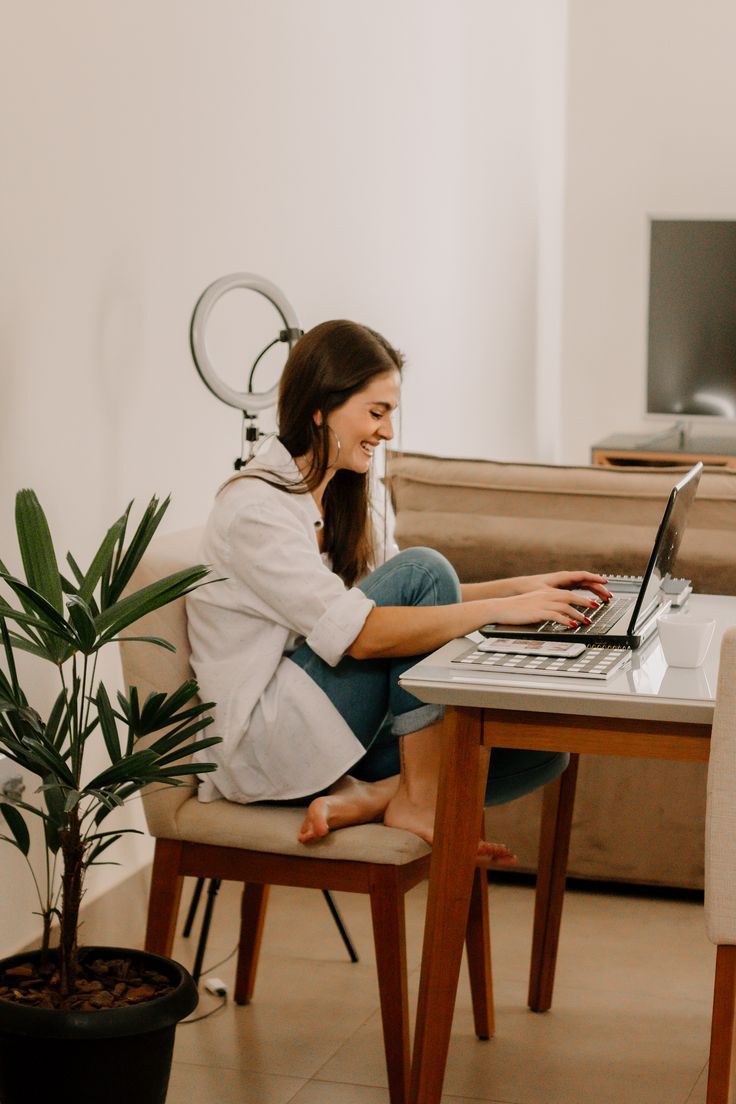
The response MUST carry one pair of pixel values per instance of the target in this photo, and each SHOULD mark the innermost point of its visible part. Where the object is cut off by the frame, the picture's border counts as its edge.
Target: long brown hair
(326, 366)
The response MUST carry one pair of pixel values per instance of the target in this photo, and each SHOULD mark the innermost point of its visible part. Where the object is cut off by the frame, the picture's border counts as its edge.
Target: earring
(337, 439)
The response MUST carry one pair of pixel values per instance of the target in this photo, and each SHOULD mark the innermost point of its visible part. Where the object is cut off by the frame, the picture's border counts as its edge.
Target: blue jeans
(367, 694)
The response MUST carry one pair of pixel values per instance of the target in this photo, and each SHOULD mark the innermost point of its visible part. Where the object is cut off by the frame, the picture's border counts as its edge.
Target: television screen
(692, 318)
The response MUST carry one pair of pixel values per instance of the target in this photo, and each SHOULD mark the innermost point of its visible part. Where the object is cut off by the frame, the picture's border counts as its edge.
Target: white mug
(685, 639)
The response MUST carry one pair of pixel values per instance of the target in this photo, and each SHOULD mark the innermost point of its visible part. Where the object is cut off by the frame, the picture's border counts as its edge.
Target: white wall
(378, 161)
(651, 89)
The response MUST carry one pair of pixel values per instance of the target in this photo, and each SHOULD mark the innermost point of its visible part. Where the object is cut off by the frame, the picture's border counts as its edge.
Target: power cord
(283, 336)
(215, 965)
(218, 988)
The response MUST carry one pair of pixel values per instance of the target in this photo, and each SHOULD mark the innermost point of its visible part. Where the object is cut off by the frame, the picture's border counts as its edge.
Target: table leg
(554, 847)
(463, 774)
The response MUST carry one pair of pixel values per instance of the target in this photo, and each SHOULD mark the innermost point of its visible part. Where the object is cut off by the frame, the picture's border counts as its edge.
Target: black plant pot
(113, 1055)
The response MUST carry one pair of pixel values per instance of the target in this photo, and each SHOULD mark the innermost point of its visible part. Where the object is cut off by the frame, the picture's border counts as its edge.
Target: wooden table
(658, 450)
(646, 711)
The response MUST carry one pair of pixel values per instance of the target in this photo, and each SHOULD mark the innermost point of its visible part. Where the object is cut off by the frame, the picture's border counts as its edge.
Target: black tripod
(212, 892)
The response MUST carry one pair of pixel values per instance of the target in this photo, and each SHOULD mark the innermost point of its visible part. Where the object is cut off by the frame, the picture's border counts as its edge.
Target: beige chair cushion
(720, 821)
(274, 828)
(176, 813)
(484, 516)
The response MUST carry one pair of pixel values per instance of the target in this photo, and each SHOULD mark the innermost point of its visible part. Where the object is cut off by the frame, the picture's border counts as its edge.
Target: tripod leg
(340, 925)
(206, 920)
(194, 905)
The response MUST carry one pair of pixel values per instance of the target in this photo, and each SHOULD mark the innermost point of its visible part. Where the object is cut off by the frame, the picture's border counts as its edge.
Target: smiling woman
(316, 615)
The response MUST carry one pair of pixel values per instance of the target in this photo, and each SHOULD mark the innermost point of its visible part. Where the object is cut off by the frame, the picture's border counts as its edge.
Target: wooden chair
(720, 874)
(257, 845)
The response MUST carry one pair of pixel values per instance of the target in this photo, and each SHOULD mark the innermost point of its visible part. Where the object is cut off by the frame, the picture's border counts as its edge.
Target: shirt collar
(273, 458)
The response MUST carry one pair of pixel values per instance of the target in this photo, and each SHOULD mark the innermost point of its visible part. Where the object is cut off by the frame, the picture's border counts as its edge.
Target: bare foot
(348, 802)
(419, 819)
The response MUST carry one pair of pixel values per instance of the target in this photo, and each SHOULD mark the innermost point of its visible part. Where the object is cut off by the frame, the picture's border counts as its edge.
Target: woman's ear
(317, 417)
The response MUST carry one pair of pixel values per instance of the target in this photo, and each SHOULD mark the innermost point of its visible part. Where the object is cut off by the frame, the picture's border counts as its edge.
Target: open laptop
(631, 616)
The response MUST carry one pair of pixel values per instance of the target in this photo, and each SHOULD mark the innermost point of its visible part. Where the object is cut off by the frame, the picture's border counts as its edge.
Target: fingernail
(587, 621)
(572, 624)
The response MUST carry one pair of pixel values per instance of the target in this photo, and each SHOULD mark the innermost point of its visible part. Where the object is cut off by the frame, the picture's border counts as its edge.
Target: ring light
(248, 401)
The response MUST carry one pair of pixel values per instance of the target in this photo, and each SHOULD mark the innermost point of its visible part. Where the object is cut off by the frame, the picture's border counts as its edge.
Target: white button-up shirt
(282, 736)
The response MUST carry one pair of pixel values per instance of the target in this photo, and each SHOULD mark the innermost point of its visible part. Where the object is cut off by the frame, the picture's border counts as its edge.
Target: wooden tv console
(657, 451)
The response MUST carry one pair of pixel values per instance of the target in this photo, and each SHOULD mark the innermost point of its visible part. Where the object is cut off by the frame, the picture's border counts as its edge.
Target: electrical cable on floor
(218, 988)
(209, 969)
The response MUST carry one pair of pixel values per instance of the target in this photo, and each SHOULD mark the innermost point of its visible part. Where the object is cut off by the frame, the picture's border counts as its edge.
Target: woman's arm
(522, 584)
(394, 631)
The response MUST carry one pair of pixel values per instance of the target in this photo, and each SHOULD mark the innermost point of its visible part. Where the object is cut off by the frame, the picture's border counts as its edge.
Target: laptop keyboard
(602, 619)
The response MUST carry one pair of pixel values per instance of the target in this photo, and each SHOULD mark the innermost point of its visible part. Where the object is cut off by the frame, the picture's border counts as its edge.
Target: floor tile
(592, 1048)
(633, 945)
(700, 1088)
(303, 1010)
(630, 1021)
(198, 1084)
(611, 942)
(327, 1092)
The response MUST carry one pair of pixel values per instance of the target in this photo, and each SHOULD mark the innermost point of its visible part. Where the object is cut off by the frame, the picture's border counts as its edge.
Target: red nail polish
(572, 624)
(587, 621)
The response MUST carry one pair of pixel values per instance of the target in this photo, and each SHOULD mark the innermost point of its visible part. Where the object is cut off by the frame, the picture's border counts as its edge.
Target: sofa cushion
(495, 519)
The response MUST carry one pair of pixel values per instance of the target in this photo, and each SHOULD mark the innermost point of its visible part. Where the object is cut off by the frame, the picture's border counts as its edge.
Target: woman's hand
(546, 603)
(570, 580)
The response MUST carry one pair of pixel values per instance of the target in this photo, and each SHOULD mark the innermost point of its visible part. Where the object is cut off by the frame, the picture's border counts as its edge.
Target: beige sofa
(635, 820)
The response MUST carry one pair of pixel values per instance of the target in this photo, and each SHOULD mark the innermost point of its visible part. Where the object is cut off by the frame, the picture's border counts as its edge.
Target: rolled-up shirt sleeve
(270, 550)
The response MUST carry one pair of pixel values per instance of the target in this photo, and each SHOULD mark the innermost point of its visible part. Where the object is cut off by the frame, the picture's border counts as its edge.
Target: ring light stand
(249, 401)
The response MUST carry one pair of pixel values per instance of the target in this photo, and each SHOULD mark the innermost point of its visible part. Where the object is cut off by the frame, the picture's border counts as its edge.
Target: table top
(646, 689)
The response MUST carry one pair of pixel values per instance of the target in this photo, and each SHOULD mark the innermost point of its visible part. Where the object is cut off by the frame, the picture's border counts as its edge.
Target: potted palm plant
(76, 1023)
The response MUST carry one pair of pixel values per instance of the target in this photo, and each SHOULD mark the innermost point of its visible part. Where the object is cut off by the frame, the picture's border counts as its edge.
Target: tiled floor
(630, 1021)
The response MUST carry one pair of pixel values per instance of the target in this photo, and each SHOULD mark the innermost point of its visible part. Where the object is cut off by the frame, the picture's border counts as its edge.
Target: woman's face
(363, 422)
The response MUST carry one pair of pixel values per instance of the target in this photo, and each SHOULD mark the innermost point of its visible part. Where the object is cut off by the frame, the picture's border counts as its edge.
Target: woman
(303, 637)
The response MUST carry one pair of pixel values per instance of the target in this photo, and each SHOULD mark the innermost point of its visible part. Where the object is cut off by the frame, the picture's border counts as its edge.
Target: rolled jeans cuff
(414, 719)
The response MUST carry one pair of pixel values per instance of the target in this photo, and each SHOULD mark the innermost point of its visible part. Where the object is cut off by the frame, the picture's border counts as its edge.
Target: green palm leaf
(117, 617)
(57, 725)
(131, 767)
(37, 549)
(47, 616)
(126, 563)
(157, 640)
(17, 826)
(108, 725)
(83, 623)
(102, 560)
(54, 635)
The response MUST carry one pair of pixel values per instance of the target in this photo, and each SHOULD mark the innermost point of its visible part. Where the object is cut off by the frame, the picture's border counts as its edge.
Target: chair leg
(554, 847)
(722, 1027)
(252, 916)
(163, 900)
(389, 937)
(478, 947)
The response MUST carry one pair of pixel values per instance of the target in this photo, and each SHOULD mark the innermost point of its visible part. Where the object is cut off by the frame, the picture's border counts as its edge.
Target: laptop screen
(667, 544)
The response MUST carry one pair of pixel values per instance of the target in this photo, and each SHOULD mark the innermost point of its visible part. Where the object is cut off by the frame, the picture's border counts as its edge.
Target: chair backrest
(720, 822)
(150, 668)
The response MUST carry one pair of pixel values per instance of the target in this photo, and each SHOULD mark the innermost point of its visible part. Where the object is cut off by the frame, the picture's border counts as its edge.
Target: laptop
(631, 616)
